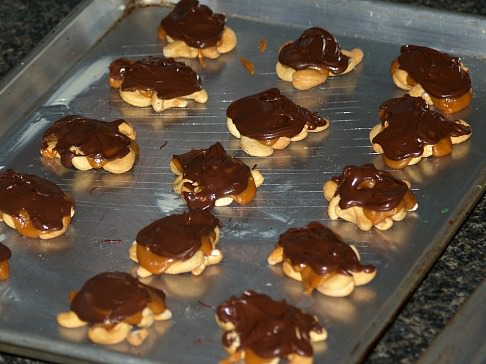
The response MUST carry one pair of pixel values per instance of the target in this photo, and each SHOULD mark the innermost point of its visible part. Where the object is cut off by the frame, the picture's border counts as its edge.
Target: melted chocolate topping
(178, 236)
(194, 24)
(44, 201)
(353, 186)
(270, 115)
(411, 125)
(320, 248)
(269, 328)
(439, 74)
(5, 253)
(315, 48)
(118, 68)
(98, 140)
(165, 76)
(111, 297)
(217, 174)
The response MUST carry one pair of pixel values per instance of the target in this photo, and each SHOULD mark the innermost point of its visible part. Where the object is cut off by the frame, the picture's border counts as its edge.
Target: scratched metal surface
(116, 207)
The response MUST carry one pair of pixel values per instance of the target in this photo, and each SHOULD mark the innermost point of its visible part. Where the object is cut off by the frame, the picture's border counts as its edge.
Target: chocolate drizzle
(194, 24)
(44, 202)
(439, 74)
(267, 327)
(97, 140)
(409, 125)
(369, 188)
(320, 248)
(118, 68)
(178, 236)
(5, 253)
(216, 173)
(164, 76)
(269, 115)
(111, 297)
(315, 48)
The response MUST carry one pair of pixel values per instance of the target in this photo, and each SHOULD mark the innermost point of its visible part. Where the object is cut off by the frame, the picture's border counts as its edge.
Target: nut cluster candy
(194, 31)
(115, 306)
(368, 197)
(261, 330)
(85, 143)
(35, 207)
(268, 120)
(177, 244)
(319, 258)
(210, 177)
(440, 79)
(410, 130)
(308, 61)
(159, 82)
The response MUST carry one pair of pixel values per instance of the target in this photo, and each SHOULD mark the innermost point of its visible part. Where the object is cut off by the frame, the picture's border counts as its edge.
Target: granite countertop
(453, 278)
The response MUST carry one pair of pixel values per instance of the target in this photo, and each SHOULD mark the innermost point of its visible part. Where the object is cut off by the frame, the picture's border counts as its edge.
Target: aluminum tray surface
(113, 208)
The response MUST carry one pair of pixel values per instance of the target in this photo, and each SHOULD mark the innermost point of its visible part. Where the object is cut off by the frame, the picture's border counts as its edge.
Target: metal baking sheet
(68, 75)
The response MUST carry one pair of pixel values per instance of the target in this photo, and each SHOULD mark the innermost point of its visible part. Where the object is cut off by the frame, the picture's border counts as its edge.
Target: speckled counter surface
(450, 282)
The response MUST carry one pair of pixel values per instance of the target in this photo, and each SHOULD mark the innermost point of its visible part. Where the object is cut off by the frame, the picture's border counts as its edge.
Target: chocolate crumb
(206, 304)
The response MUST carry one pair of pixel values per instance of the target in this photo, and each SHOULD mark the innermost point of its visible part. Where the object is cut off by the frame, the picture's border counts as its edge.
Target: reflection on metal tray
(71, 77)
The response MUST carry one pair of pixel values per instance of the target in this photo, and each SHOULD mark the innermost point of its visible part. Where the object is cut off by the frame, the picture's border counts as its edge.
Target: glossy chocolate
(315, 48)
(118, 68)
(44, 202)
(318, 247)
(267, 327)
(164, 76)
(194, 24)
(178, 236)
(5, 253)
(353, 186)
(97, 140)
(216, 173)
(111, 297)
(411, 125)
(439, 74)
(269, 115)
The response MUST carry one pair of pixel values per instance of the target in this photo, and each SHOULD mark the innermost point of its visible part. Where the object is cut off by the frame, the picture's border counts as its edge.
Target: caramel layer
(5, 255)
(408, 202)
(4, 270)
